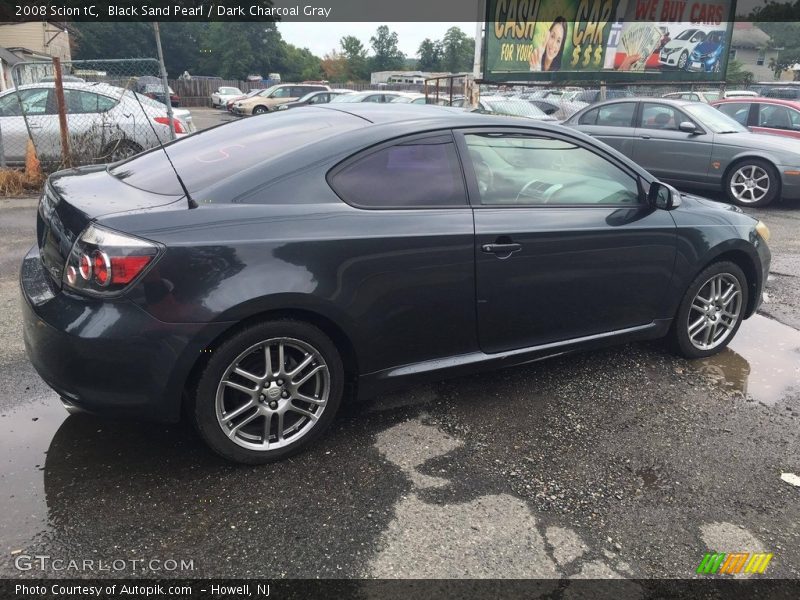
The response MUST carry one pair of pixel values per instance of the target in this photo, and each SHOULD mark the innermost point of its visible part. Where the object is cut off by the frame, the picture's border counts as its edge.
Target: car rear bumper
(107, 357)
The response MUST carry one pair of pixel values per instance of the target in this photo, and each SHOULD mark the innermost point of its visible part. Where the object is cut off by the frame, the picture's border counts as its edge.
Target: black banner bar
(431, 589)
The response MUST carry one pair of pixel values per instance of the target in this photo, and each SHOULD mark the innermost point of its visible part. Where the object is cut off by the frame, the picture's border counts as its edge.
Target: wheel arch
(749, 266)
(750, 155)
(342, 339)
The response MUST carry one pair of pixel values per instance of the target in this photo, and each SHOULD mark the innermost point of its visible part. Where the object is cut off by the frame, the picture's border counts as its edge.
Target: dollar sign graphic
(576, 54)
(587, 56)
(598, 55)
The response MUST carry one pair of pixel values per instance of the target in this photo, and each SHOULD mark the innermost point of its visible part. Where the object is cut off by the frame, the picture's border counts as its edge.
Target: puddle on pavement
(25, 436)
(763, 360)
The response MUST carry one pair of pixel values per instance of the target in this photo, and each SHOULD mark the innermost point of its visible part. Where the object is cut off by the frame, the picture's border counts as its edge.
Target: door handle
(645, 137)
(501, 248)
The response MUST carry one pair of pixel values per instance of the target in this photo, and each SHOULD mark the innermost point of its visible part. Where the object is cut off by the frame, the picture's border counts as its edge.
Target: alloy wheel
(273, 394)
(715, 311)
(750, 184)
(682, 60)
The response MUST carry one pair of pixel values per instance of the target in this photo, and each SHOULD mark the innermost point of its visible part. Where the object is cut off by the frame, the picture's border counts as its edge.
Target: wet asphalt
(624, 462)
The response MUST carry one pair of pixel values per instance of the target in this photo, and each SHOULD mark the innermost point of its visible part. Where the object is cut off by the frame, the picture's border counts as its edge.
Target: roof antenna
(192, 203)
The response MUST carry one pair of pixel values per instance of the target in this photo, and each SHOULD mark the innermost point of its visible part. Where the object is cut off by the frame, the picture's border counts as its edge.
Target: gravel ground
(625, 462)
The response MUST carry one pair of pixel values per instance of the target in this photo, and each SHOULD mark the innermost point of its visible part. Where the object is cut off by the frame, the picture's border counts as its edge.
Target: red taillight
(165, 121)
(102, 268)
(104, 262)
(124, 269)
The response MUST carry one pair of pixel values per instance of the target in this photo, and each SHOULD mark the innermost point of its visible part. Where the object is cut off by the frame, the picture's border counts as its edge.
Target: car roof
(103, 88)
(670, 101)
(760, 100)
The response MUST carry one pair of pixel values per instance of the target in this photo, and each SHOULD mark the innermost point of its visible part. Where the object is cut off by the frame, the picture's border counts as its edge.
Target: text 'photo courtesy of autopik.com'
(369, 299)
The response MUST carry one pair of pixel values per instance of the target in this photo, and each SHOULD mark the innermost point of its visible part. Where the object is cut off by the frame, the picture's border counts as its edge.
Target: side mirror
(688, 127)
(663, 196)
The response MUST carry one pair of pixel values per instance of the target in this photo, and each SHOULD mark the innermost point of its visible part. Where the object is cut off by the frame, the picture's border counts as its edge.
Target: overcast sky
(323, 37)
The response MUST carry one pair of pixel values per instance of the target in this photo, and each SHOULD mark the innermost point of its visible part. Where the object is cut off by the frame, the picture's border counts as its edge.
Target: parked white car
(220, 98)
(106, 123)
(675, 53)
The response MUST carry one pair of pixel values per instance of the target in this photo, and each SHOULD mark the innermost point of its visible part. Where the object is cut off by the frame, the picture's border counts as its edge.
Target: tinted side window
(420, 173)
(737, 111)
(79, 101)
(616, 115)
(516, 169)
(34, 102)
(660, 116)
(778, 117)
(589, 117)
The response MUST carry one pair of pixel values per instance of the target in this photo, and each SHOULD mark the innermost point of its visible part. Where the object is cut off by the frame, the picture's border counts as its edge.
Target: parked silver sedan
(693, 145)
(106, 123)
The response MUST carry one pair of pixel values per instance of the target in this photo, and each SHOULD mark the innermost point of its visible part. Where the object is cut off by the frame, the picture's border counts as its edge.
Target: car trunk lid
(72, 199)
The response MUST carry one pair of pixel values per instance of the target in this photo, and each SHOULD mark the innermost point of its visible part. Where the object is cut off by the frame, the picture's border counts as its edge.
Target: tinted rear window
(419, 173)
(210, 156)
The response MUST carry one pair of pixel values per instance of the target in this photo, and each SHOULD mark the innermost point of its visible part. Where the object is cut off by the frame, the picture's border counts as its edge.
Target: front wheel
(268, 391)
(711, 311)
(682, 60)
(260, 110)
(753, 182)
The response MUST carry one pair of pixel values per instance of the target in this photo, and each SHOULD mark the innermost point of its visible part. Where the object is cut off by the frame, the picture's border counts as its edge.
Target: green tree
(386, 56)
(737, 75)
(301, 65)
(430, 56)
(355, 54)
(458, 51)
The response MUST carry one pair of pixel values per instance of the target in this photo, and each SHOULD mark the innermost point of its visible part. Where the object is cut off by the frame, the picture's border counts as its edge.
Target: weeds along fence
(84, 112)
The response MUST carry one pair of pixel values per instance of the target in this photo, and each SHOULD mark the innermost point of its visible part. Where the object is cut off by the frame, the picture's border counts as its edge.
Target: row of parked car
(692, 139)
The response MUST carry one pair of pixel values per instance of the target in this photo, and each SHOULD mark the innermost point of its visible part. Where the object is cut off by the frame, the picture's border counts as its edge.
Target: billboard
(607, 40)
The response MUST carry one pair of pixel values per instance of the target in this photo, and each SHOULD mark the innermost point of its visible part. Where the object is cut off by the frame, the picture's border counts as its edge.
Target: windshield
(685, 35)
(710, 117)
(229, 90)
(403, 100)
(515, 108)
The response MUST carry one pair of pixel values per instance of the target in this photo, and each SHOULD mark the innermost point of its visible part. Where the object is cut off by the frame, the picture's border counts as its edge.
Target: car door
(565, 244)
(666, 151)
(34, 117)
(613, 124)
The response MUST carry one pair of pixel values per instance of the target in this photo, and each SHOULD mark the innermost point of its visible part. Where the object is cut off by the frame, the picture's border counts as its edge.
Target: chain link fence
(102, 111)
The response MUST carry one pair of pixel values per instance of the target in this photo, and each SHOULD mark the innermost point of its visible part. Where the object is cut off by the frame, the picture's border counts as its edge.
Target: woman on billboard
(548, 56)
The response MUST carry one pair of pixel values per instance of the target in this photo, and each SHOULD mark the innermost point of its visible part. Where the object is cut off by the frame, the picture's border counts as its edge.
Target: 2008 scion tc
(364, 245)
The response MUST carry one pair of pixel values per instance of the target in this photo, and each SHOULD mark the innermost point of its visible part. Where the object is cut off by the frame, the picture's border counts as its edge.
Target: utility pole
(164, 83)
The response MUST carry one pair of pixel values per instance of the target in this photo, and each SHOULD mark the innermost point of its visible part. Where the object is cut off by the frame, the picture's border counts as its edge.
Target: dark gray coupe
(362, 247)
(693, 145)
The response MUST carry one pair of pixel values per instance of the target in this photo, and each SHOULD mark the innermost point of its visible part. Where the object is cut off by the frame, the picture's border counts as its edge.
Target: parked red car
(764, 115)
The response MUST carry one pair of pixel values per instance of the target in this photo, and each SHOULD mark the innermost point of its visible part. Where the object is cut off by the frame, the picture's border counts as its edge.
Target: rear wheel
(711, 311)
(268, 391)
(752, 182)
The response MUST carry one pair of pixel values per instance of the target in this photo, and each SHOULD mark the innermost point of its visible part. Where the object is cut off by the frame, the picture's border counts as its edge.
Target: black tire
(203, 407)
(260, 110)
(120, 150)
(678, 336)
(757, 163)
(682, 60)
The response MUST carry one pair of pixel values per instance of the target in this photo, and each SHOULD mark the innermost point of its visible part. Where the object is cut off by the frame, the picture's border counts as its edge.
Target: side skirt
(467, 364)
